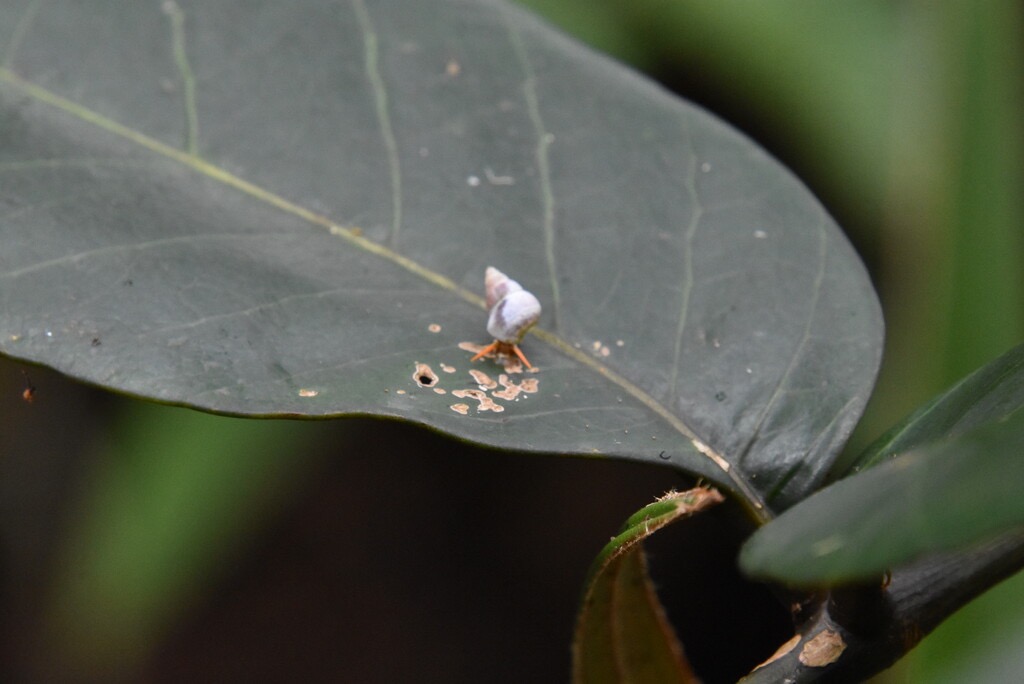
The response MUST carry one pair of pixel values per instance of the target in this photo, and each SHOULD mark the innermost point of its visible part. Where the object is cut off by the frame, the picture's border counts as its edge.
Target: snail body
(512, 311)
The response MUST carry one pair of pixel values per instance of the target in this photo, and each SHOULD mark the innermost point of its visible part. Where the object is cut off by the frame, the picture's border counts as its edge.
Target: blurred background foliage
(152, 543)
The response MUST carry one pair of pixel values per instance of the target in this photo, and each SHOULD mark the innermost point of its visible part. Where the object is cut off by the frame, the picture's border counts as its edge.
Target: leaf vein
(262, 306)
(112, 249)
(780, 387)
(43, 204)
(71, 162)
(188, 81)
(371, 56)
(687, 285)
(544, 140)
(20, 31)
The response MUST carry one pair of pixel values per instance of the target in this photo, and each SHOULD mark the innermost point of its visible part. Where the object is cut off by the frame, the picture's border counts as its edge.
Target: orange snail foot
(498, 347)
(521, 355)
(489, 349)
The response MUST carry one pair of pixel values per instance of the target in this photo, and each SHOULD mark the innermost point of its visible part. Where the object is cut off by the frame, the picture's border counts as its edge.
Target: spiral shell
(513, 310)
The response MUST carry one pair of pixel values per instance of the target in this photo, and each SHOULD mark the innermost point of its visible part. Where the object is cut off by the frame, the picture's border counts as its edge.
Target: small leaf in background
(959, 483)
(621, 631)
(991, 393)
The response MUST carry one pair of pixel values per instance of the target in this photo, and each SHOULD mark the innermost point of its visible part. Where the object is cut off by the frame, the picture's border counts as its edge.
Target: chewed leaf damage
(488, 393)
(485, 402)
(424, 375)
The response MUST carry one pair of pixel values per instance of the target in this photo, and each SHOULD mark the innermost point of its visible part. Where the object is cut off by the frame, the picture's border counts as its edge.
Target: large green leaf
(261, 208)
(948, 476)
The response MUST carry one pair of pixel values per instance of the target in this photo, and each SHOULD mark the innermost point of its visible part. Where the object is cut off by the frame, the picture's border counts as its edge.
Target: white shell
(497, 285)
(513, 310)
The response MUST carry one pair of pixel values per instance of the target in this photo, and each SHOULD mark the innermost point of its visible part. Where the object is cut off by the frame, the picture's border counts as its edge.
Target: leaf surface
(269, 209)
(948, 476)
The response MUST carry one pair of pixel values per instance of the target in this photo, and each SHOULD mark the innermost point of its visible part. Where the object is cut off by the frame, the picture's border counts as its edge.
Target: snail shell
(513, 310)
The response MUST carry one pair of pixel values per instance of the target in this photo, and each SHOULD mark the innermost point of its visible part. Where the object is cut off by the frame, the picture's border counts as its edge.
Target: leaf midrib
(354, 237)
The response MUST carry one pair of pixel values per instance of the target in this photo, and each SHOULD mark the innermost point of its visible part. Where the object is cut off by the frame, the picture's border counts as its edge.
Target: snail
(512, 312)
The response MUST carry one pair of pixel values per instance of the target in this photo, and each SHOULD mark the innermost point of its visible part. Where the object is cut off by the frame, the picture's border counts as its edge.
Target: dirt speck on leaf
(471, 347)
(513, 389)
(514, 365)
(483, 379)
(485, 402)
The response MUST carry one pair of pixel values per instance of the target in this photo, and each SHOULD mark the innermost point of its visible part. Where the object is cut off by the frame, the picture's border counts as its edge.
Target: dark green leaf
(937, 497)
(266, 209)
(622, 634)
(992, 393)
